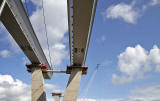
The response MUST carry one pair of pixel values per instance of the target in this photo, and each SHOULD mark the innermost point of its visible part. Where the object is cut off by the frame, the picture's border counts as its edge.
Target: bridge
(80, 22)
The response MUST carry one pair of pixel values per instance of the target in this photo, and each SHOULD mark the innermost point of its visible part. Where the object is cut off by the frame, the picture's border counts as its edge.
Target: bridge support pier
(38, 90)
(56, 96)
(71, 92)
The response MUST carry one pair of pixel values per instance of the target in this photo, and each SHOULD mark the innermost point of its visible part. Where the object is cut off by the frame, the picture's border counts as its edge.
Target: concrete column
(38, 90)
(71, 92)
(56, 98)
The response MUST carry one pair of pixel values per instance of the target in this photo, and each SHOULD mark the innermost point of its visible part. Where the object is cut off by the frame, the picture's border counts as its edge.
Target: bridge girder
(16, 21)
(81, 15)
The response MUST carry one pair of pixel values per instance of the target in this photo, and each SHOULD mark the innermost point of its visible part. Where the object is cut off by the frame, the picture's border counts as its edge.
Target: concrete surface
(38, 90)
(71, 92)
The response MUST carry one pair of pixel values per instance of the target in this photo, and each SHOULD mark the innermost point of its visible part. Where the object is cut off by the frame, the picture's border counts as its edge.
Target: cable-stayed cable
(46, 33)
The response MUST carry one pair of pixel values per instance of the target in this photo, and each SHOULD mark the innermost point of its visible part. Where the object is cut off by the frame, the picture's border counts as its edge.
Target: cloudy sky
(125, 41)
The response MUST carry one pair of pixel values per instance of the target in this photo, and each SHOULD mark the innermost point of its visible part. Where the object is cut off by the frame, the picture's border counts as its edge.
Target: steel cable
(46, 32)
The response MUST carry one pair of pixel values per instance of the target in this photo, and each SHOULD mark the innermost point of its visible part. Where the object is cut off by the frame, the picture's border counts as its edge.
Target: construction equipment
(44, 67)
(90, 80)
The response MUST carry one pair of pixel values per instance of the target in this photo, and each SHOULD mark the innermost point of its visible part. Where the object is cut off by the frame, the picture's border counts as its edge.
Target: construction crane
(90, 80)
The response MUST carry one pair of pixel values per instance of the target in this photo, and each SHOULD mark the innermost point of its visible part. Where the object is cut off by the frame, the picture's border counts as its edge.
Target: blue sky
(125, 41)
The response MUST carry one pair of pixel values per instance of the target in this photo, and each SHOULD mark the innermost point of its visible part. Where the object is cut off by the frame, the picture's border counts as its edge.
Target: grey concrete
(72, 89)
(38, 90)
(16, 21)
(56, 98)
(2, 4)
(80, 21)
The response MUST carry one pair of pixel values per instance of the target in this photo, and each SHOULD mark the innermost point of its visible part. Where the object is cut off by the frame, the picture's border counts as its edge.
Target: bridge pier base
(71, 92)
(56, 98)
(38, 90)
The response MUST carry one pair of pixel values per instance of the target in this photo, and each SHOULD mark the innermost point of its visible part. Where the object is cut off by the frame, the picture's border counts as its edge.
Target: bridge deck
(16, 21)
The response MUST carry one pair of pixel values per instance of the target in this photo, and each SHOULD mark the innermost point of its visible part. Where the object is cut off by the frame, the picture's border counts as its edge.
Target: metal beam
(16, 21)
(56, 71)
(80, 20)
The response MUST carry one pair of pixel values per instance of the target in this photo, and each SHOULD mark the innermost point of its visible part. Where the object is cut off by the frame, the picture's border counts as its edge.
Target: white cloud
(144, 93)
(134, 62)
(86, 99)
(4, 53)
(56, 20)
(16, 90)
(50, 86)
(154, 57)
(103, 38)
(154, 2)
(148, 93)
(121, 80)
(123, 11)
(129, 12)
(37, 2)
(89, 99)
(131, 61)
(23, 0)
(13, 90)
(118, 99)
(23, 93)
(58, 52)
